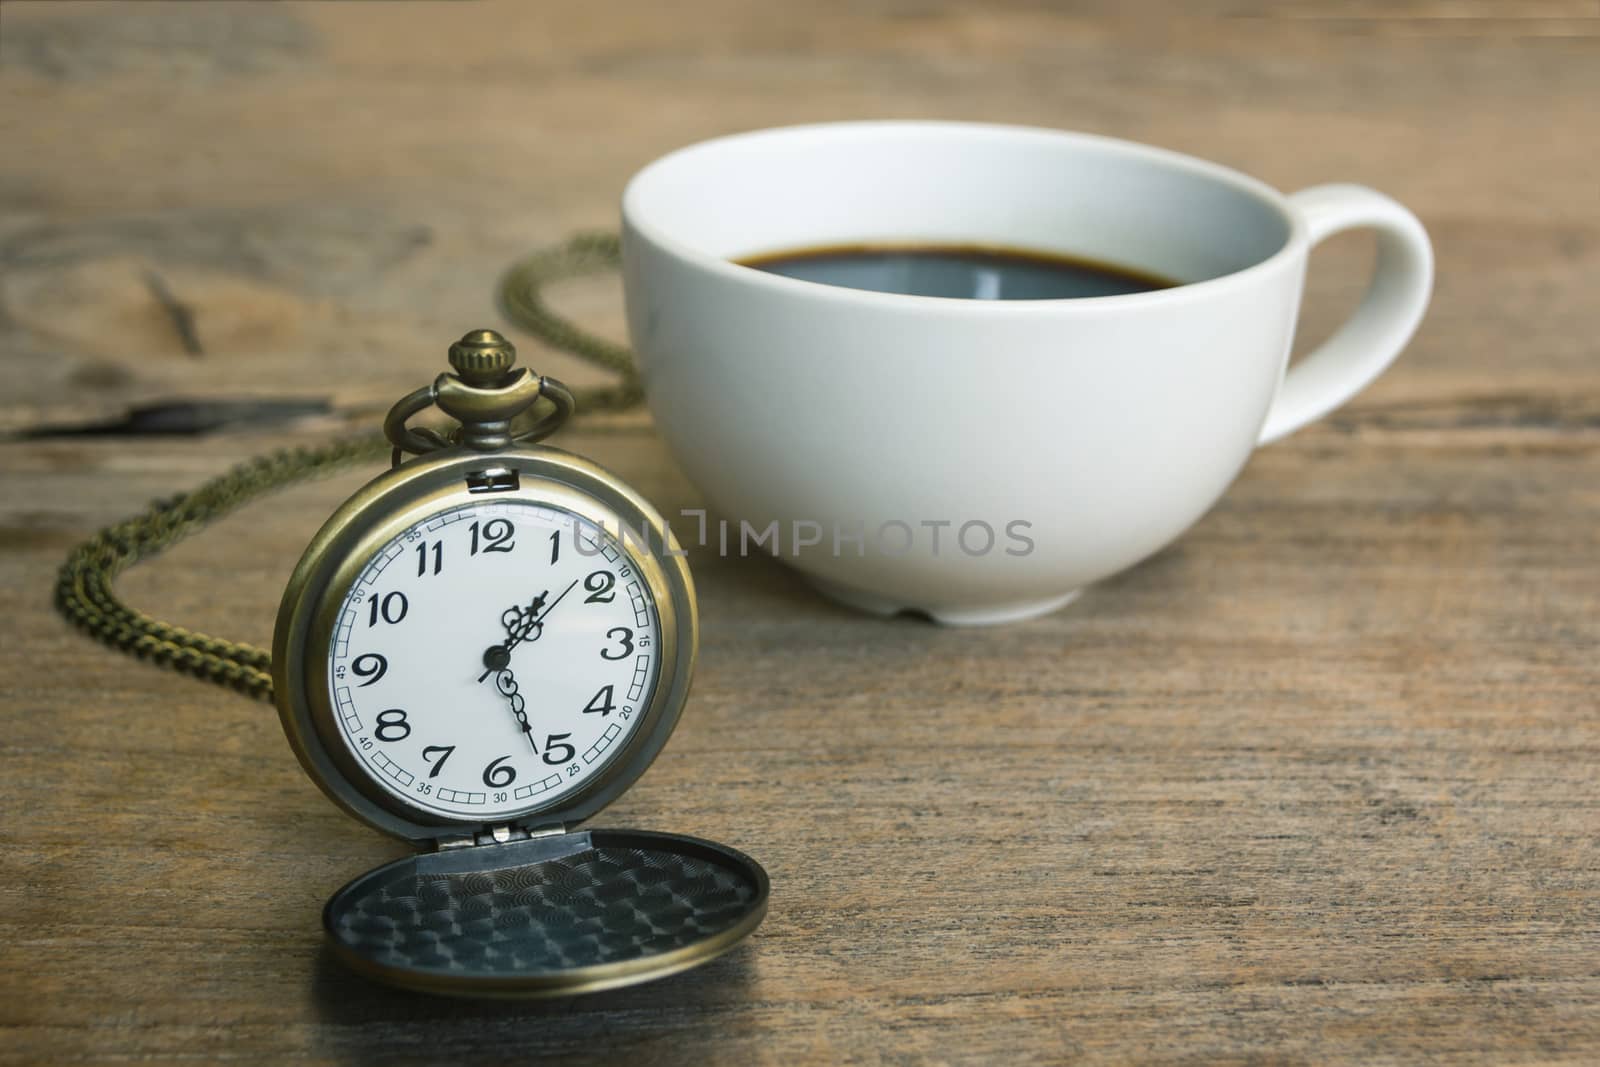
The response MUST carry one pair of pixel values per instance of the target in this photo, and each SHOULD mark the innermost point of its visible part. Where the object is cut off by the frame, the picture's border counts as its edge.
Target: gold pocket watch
(479, 650)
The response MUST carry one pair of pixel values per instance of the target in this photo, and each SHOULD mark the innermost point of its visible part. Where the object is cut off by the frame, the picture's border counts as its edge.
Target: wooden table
(1317, 782)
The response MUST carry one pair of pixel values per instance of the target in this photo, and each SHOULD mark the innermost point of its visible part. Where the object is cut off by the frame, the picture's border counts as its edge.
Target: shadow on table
(362, 1022)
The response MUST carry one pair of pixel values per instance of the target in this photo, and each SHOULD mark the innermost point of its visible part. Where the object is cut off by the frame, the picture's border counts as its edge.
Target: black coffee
(969, 272)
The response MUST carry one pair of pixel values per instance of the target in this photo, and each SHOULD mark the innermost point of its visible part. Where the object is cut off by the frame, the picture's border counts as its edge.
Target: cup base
(873, 604)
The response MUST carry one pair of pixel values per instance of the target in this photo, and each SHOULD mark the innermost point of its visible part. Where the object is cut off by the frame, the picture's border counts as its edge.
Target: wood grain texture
(1317, 783)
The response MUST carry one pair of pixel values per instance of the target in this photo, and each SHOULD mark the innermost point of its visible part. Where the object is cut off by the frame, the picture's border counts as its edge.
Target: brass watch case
(521, 905)
(381, 511)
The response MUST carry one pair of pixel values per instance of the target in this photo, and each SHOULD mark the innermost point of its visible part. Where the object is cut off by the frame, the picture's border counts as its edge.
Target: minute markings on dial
(393, 661)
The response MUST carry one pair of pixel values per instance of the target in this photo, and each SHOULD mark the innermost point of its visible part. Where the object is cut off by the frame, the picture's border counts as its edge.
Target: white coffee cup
(1085, 434)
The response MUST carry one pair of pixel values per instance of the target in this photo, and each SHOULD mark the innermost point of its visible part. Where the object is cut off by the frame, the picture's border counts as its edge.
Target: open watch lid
(547, 916)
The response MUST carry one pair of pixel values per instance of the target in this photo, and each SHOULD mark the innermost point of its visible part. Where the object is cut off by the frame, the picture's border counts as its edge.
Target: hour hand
(520, 624)
(524, 623)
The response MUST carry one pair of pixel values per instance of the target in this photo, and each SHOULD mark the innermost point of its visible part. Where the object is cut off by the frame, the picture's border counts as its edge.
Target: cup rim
(1295, 241)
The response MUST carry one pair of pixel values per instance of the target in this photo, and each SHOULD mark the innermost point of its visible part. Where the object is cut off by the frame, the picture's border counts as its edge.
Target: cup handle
(1389, 313)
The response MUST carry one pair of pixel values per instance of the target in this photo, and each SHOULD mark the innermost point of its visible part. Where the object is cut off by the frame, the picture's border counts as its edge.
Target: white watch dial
(493, 658)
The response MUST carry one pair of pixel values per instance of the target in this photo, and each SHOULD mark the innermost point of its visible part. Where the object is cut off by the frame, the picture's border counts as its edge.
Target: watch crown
(482, 357)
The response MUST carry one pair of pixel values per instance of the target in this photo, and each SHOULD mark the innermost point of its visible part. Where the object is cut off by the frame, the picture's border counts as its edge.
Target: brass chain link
(84, 586)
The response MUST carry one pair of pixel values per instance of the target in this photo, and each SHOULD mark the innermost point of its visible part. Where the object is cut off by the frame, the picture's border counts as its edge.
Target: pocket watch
(479, 650)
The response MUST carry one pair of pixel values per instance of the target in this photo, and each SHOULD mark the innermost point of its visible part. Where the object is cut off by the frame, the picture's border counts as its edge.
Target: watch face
(493, 658)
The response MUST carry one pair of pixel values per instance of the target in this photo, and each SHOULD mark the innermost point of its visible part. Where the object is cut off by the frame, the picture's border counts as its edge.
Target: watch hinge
(499, 835)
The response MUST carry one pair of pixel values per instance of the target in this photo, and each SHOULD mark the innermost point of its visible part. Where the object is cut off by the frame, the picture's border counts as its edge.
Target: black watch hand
(506, 683)
(558, 600)
(521, 624)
